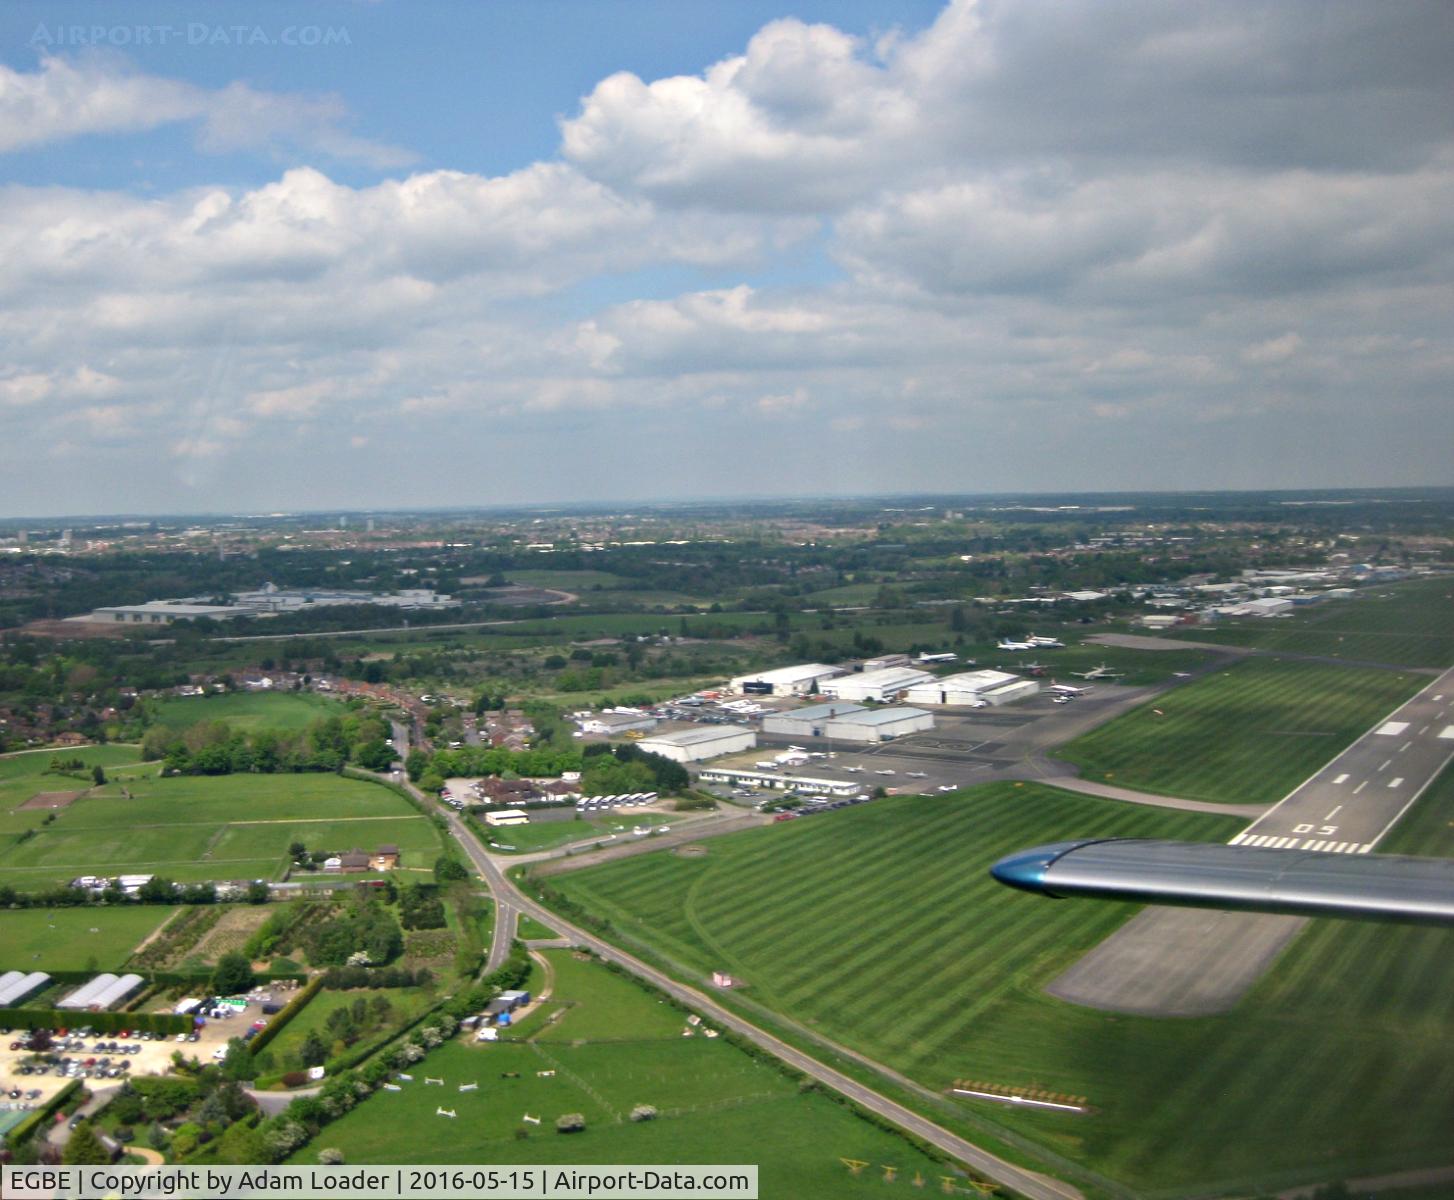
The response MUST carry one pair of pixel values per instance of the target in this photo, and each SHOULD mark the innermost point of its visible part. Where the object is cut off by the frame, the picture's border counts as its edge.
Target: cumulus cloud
(101, 93)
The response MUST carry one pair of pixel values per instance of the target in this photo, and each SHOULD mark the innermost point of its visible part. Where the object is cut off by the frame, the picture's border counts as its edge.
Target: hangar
(693, 745)
(807, 722)
(879, 686)
(878, 725)
(965, 688)
(801, 680)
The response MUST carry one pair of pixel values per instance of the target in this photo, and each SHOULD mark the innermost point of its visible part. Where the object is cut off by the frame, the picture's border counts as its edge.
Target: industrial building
(878, 686)
(507, 816)
(878, 724)
(1006, 693)
(613, 724)
(965, 688)
(102, 992)
(769, 779)
(16, 987)
(693, 745)
(166, 612)
(804, 680)
(807, 722)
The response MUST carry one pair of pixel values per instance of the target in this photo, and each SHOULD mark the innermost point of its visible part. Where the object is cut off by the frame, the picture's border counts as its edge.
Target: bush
(332, 1156)
(644, 1112)
(570, 1123)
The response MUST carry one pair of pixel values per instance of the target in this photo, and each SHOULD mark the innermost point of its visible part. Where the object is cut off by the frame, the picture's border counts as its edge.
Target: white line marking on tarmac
(1360, 787)
(1392, 728)
(1404, 747)
(1423, 731)
(1365, 849)
(1334, 813)
(1447, 732)
(1393, 783)
(1341, 777)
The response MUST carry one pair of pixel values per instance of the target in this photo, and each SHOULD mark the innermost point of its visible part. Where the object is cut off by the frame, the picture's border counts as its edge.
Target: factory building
(802, 680)
(166, 612)
(878, 725)
(703, 741)
(965, 688)
(807, 722)
(878, 686)
(16, 988)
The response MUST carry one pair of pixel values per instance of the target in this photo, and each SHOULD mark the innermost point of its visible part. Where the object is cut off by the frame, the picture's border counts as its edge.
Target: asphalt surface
(1028, 1183)
(1356, 799)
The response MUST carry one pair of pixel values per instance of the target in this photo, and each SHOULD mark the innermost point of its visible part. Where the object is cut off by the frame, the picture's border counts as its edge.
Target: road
(508, 896)
(1358, 797)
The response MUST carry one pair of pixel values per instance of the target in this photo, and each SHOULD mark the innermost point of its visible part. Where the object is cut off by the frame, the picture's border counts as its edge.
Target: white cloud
(101, 93)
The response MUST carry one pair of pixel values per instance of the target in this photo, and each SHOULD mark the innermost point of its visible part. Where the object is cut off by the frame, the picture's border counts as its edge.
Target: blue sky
(359, 254)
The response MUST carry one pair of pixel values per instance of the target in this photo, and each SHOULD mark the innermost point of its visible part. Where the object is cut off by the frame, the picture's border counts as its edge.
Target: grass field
(545, 835)
(879, 927)
(407, 1003)
(25, 774)
(224, 827)
(1407, 624)
(1427, 829)
(1246, 735)
(715, 1103)
(71, 939)
(247, 710)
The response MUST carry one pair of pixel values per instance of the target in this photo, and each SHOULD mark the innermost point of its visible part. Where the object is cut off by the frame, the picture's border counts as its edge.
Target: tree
(257, 892)
(238, 1064)
(447, 869)
(84, 1149)
(98, 775)
(232, 975)
(313, 1052)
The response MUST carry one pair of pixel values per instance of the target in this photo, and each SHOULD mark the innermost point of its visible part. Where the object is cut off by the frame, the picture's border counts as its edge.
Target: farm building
(878, 725)
(807, 722)
(16, 988)
(613, 724)
(102, 992)
(879, 686)
(693, 745)
(785, 681)
(967, 687)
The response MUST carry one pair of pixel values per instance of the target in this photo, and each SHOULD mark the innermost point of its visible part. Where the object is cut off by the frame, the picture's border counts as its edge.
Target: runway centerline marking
(1360, 787)
(1334, 813)
(1404, 747)
(1383, 766)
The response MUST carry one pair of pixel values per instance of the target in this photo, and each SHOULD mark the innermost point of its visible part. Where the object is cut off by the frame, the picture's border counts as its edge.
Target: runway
(1358, 797)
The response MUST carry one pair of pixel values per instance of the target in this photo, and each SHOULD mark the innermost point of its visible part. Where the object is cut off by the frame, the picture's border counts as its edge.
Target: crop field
(715, 1104)
(1245, 735)
(75, 939)
(247, 710)
(1406, 624)
(225, 827)
(1311, 1074)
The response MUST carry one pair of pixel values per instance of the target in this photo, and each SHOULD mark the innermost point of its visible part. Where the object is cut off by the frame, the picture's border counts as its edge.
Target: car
(192, 1037)
(124, 1064)
(181, 1037)
(33, 1094)
(15, 1045)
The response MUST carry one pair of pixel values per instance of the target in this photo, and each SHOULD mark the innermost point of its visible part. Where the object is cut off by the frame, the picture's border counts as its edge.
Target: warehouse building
(16, 988)
(614, 724)
(878, 686)
(807, 722)
(878, 724)
(693, 745)
(802, 680)
(965, 688)
(1007, 693)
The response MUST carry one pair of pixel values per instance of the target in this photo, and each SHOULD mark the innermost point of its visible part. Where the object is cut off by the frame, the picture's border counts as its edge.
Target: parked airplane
(1069, 689)
(1099, 672)
(1047, 642)
(1006, 644)
(1031, 668)
(933, 658)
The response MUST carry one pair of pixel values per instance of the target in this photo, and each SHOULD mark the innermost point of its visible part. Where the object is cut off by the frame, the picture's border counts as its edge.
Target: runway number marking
(1392, 728)
(1325, 831)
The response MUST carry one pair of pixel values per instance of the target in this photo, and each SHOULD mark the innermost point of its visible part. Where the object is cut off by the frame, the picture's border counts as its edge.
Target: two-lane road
(1358, 797)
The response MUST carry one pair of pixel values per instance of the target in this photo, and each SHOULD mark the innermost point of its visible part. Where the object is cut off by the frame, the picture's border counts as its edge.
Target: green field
(1246, 735)
(247, 710)
(1407, 624)
(25, 774)
(1427, 829)
(224, 827)
(878, 927)
(545, 835)
(715, 1103)
(407, 1004)
(74, 939)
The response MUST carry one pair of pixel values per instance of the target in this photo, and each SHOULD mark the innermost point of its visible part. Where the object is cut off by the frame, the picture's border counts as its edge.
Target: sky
(361, 254)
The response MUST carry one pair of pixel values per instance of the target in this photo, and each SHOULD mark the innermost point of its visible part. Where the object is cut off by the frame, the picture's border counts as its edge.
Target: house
(354, 860)
(385, 858)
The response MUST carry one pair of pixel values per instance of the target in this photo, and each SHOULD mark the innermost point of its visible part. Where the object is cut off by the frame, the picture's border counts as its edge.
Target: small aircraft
(1069, 689)
(1098, 672)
